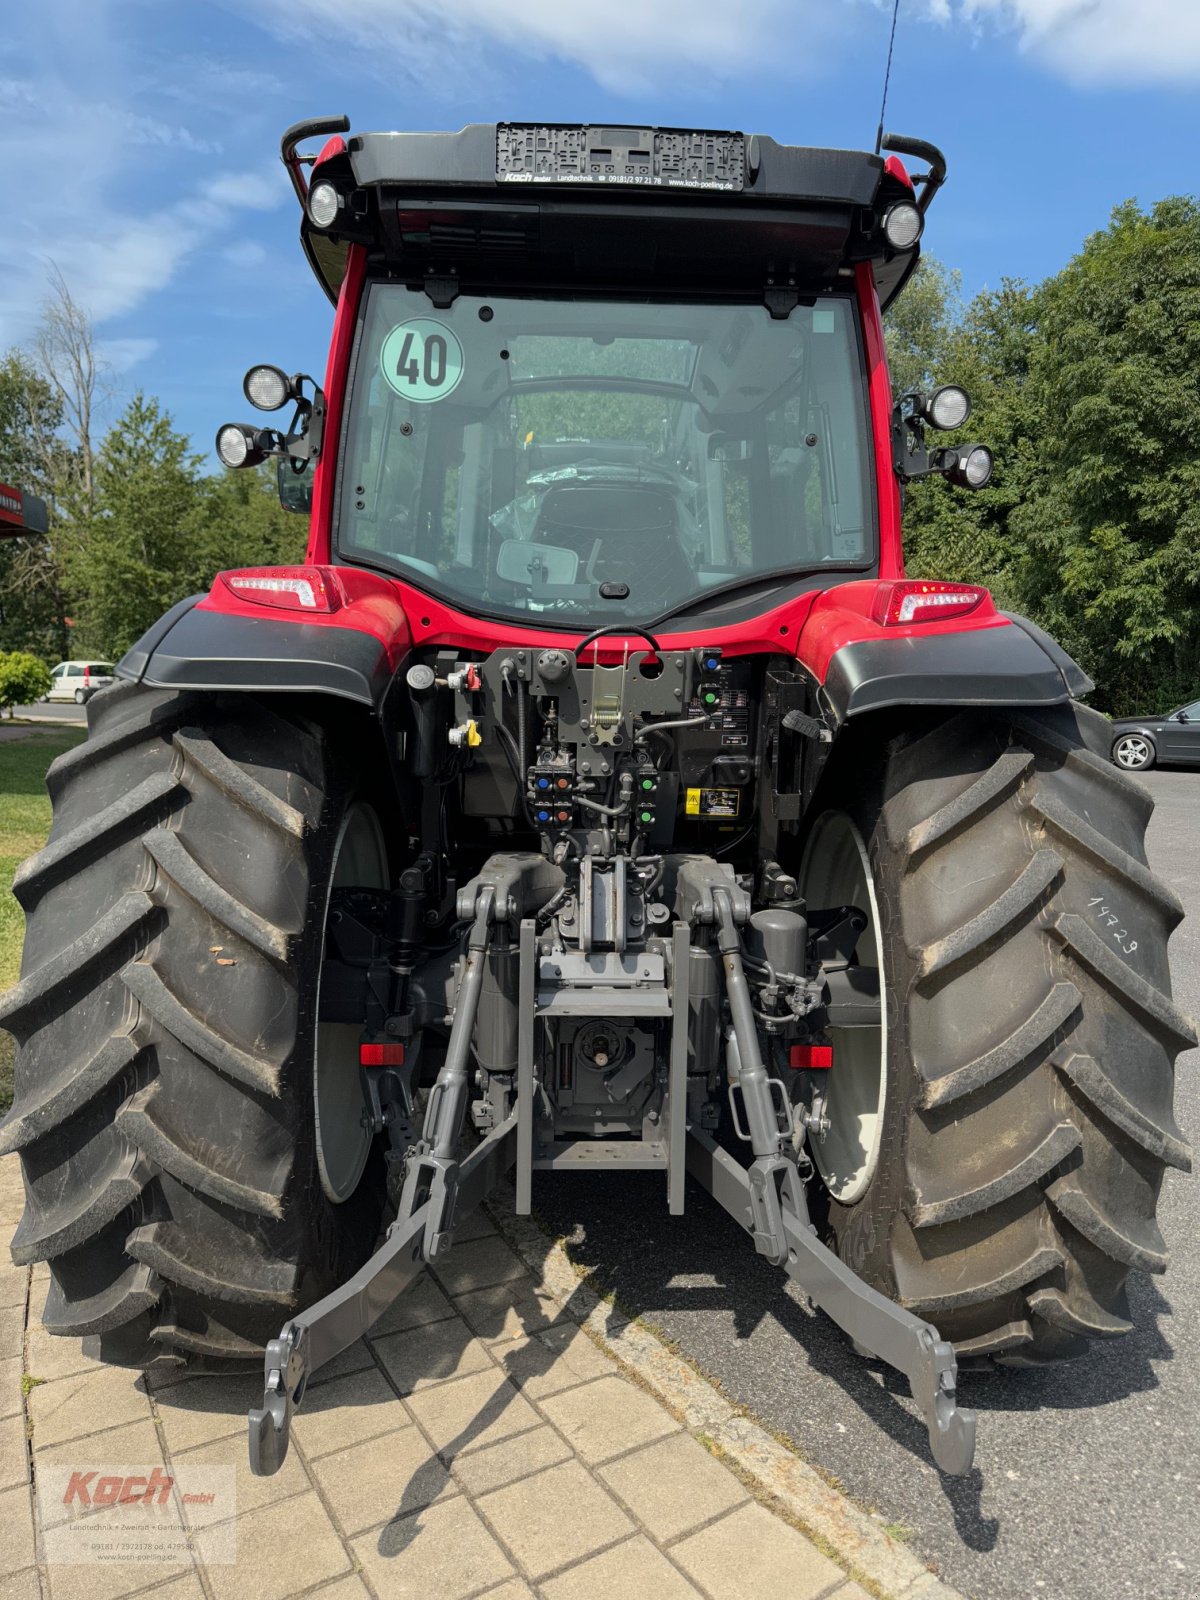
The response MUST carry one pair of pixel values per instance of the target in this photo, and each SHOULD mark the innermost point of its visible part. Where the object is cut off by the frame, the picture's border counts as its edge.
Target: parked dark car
(1170, 740)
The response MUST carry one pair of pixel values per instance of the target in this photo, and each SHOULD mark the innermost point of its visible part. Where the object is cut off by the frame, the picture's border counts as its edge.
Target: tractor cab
(598, 374)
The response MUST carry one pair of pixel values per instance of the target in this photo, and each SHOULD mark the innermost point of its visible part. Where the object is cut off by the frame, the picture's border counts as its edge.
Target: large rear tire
(1027, 1078)
(166, 1018)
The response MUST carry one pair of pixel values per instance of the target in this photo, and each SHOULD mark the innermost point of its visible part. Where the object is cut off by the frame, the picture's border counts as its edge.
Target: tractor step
(590, 1155)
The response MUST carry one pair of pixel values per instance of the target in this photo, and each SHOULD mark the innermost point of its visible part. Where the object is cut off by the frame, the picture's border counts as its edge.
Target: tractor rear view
(598, 793)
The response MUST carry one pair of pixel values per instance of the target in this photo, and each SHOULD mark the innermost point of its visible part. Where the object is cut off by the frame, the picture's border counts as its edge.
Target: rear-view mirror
(537, 565)
(295, 488)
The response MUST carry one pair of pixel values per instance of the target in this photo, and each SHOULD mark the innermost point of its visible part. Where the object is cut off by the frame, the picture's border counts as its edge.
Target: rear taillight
(806, 1057)
(381, 1055)
(87, 674)
(288, 588)
(912, 600)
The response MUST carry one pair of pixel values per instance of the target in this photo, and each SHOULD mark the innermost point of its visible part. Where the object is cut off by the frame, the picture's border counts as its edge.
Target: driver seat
(621, 532)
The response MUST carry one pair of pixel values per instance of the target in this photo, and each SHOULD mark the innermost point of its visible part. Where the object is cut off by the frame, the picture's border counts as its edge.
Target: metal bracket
(762, 1203)
(315, 1336)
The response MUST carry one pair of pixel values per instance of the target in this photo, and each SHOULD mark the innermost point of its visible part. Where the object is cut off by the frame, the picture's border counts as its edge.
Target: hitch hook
(270, 1428)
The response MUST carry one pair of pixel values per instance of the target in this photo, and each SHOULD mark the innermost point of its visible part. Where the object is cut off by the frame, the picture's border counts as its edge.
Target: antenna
(887, 78)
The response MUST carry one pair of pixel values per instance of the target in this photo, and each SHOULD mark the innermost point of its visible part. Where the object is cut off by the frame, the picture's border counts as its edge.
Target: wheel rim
(1132, 751)
(836, 871)
(343, 1143)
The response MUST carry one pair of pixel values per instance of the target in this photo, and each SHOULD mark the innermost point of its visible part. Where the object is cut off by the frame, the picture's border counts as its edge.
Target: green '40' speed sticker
(422, 360)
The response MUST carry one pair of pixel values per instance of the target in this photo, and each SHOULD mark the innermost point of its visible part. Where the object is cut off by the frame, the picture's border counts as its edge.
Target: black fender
(193, 647)
(1020, 665)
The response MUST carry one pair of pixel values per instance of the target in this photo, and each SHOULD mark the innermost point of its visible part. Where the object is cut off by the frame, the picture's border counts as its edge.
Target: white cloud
(244, 254)
(119, 355)
(148, 130)
(626, 53)
(110, 135)
(1096, 41)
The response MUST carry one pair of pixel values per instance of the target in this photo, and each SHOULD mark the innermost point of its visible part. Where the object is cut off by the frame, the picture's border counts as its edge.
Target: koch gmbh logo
(126, 1513)
(118, 1489)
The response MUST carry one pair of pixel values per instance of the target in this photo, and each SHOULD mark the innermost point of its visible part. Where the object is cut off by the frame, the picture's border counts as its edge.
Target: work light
(970, 467)
(323, 204)
(947, 406)
(267, 387)
(238, 445)
(902, 225)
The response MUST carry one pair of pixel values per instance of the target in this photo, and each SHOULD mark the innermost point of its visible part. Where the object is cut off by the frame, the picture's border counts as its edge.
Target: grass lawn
(24, 824)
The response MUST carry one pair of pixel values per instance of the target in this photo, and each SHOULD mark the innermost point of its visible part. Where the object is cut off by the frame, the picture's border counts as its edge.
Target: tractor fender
(988, 658)
(221, 641)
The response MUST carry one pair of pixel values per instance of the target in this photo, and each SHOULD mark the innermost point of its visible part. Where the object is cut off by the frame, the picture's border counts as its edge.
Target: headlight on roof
(903, 224)
(324, 202)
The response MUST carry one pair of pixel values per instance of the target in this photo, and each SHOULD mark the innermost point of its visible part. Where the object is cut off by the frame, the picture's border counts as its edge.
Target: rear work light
(381, 1055)
(911, 600)
(288, 588)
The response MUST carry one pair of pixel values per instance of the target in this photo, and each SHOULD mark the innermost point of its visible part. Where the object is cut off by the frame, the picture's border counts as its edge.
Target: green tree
(1109, 541)
(920, 324)
(239, 522)
(23, 679)
(33, 457)
(134, 558)
(953, 533)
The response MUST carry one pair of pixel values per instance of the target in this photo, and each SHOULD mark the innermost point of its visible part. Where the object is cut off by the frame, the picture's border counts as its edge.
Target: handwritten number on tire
(1109, 919)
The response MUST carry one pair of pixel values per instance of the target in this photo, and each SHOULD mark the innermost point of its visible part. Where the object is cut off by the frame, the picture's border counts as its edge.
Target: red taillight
(381, 1055)
(809, 1056)
(288, 588)
(913, 600)
(87, 674)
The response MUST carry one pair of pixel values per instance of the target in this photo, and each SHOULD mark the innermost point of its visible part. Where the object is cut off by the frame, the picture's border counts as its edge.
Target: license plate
(655, 158)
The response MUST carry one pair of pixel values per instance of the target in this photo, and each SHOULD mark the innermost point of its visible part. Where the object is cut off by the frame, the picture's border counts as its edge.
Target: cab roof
(609, 209)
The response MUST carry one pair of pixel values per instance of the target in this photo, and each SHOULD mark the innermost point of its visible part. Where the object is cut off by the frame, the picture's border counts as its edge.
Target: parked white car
(79, 680)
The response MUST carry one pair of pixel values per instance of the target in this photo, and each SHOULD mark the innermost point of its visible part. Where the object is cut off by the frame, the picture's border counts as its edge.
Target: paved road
(1088, 1476)
(58, 711)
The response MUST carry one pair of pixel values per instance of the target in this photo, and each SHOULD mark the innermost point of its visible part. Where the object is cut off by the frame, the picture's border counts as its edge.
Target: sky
(139, 139)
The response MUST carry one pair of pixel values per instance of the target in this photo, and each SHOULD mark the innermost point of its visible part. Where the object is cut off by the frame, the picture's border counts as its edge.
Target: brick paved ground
(479, 1443)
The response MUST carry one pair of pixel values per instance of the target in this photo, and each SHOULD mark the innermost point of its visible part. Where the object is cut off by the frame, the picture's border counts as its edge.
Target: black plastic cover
(213, 650)
(979, 667)
(485, 153)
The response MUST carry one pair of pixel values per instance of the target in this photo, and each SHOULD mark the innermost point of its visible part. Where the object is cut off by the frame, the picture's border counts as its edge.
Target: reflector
(381, 1055)
(810, 1056)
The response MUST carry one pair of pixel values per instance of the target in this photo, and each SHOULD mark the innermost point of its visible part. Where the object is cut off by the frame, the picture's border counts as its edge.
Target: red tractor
(601, 790)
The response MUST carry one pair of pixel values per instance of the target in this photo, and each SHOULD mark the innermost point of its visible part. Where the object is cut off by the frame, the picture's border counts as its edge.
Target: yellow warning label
(715, 803)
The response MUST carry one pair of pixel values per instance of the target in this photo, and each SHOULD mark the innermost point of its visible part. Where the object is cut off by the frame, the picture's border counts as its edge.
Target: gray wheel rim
(836, 871)
(1132, 751)
(343, 1142)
